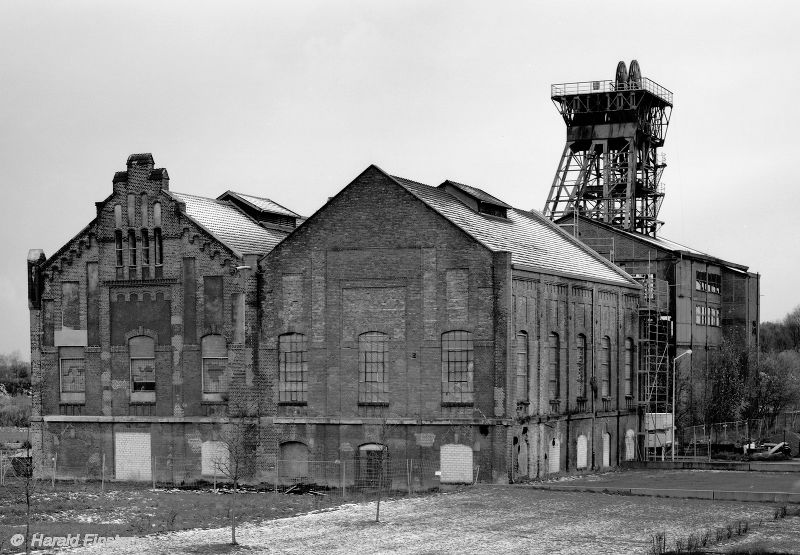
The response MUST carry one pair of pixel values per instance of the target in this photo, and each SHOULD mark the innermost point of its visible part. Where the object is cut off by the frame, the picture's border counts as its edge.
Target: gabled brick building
(139, 324)
(436, 322)
(469, 326)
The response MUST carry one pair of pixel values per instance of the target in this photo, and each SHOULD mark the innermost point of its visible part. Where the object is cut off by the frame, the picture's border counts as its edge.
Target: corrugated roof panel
(531, 239)
(229, 225)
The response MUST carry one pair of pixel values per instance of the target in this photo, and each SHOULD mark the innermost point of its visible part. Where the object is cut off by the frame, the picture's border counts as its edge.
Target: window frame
(554, 367)
(295, 395)
(458, 368)
(220, 394)
(72, 396)
(142, 395)
(581, 366)
(373, 391)
(605, 367)
(522, 376)
(628, 368)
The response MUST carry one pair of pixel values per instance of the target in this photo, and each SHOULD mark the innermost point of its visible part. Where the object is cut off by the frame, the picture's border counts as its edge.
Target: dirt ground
(477, 520)
(691, 479)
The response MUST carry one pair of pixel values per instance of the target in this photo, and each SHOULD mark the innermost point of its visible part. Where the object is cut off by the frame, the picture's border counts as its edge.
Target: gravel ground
(481, 519)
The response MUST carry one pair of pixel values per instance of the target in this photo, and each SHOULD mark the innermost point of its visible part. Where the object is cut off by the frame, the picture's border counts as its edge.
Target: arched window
(145, 248)
(215, 361)
(293, 362)
(156, 214)
(141, 350)
(629, 367)
(580, 366)
(605, 367)
(554, 374)
(118, 248)
(373, 388)
(158, 252)
(523, 370)
(457, 367)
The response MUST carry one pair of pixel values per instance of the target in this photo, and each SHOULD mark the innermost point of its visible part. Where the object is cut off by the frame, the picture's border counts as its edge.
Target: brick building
(139, 334)
(703, 298)
(436, 322)
(475, 331)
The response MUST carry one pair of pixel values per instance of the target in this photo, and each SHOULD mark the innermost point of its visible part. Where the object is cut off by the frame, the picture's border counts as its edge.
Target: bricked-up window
(523, 368)
(141, 350)
(580, 366)
(117, 216)
(554, 369)
(70, 305)
(215, 361)
(629, 367)
(293, 384)
(144, 206)
(118, 248)
(373, 386)
(605, 367)
(131, 210)
(156, 214)
(72, 366)
(457, 367)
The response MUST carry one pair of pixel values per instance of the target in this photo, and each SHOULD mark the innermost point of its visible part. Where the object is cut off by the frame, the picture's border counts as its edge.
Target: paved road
(725, 480)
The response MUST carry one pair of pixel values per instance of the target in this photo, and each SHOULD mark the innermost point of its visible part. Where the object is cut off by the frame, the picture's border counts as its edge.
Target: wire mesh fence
(703, 440)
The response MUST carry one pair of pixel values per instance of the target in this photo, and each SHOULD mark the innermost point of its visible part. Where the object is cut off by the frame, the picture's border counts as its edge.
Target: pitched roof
(532, 239)
(479, 194)
(661, 243)
(263, 204)
(232, 227)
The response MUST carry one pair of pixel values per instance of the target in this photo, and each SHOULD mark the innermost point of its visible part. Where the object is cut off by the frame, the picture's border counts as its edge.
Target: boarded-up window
(70, 305)
(237, 317)
(143, 363)
(215, 362)
(457, 367)
(456, 464)
(628, 367)
(373, 386)
(554, 373)
(293, 361)
(606, 450)
(73, 374)
(580, 365)
(522, 370)
(554, 456)
(605, 367)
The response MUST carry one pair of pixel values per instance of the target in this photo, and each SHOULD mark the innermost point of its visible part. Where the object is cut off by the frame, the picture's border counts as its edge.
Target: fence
(350, 478)
(698, 440)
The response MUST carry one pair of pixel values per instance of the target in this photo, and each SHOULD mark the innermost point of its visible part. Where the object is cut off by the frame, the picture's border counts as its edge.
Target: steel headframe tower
(610, 169)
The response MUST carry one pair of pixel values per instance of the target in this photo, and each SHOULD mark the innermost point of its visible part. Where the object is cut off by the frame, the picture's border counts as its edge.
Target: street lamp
(674, 360)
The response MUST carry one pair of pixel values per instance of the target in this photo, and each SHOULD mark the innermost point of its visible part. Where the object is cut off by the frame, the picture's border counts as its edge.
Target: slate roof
(532, 239)
(232, 227)
(663, 243)
(263, 204)
(479, 194)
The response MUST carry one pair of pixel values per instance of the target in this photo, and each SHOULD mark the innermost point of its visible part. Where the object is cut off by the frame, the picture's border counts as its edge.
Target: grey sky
(291, 100)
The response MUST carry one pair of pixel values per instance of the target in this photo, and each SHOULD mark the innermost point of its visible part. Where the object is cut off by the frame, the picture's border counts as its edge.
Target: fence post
(153, 472)
(277, 472)
(103, 475)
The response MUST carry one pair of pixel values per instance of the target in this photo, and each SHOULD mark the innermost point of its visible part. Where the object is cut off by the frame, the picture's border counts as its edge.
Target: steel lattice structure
(610, 169)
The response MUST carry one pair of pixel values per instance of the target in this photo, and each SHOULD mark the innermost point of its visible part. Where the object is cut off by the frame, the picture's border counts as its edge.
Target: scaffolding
(655, 379)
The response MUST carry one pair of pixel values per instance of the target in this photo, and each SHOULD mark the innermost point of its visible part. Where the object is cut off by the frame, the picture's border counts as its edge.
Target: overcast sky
(292, 100)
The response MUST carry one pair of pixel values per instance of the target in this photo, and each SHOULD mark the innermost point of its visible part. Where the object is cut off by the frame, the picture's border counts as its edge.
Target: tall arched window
(373, 387)
(580, 366)
(215, 361)
(118, 216)
(144, 207)
(457, 367)
(629, 367)
(523, 368)
(554, 373)
(605, 367)
(142, 353)
(158, 253)
(293, 362)
(131, 210)
(132, 252)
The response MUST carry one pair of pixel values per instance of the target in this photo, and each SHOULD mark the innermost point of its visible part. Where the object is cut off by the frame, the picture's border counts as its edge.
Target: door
(132, 456)
(554, 456)
(582, 452)
(606, 450)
